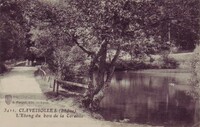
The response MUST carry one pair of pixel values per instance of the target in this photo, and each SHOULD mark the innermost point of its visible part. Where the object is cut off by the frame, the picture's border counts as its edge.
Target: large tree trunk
(95, 93)
(99, 58)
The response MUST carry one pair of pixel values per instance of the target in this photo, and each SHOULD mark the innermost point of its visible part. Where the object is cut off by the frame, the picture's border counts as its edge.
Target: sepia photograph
(99, 63)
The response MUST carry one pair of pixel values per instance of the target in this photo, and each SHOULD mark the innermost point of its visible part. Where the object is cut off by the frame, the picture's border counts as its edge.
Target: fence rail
(58, 83)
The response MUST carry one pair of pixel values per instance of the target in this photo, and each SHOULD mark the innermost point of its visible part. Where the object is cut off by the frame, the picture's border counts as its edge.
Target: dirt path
(20, 83)
(20, 80)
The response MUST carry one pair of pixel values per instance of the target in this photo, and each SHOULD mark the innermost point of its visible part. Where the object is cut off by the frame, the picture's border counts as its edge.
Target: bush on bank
(2, 68)
(164, 62)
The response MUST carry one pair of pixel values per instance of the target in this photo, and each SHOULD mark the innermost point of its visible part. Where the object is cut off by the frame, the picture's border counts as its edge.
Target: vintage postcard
(99, 63)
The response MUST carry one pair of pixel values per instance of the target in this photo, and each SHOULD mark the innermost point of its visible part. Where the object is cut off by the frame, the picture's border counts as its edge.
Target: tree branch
(93, 63)
(90, 53)
(115, 56)
(98, 54)
(111, 68)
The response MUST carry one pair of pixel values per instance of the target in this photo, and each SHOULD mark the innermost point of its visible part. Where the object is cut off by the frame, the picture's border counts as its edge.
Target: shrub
(2, 68)
(166, 62)
(133, 65)
(169, 63)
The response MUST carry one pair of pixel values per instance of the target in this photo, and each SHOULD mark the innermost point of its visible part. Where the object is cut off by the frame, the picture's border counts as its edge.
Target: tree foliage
(180, 22)
(13, 30)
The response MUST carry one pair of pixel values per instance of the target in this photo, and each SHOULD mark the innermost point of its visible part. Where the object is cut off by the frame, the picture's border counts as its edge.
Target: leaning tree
(98, 27)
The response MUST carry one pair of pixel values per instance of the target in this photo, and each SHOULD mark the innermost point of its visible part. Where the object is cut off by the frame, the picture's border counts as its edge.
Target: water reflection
(153, 98)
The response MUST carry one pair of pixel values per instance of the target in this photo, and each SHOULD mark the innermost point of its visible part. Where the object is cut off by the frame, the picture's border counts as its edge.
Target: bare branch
(111, 68)
(90, 53)
(98, 54)
(116, 56)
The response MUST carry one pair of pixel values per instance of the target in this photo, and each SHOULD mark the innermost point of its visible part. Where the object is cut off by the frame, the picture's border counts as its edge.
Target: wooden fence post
(50, 82)
(54, 84)
(57, 88)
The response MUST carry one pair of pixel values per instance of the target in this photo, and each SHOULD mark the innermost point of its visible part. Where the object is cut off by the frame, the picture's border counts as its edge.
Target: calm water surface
(155, 98)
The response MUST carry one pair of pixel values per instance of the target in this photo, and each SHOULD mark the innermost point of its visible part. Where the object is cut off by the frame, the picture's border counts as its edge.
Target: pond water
(149, 97)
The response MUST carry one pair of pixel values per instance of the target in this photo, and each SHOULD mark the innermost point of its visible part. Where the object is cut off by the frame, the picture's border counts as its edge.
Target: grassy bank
(183, 59)
(180, 61)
